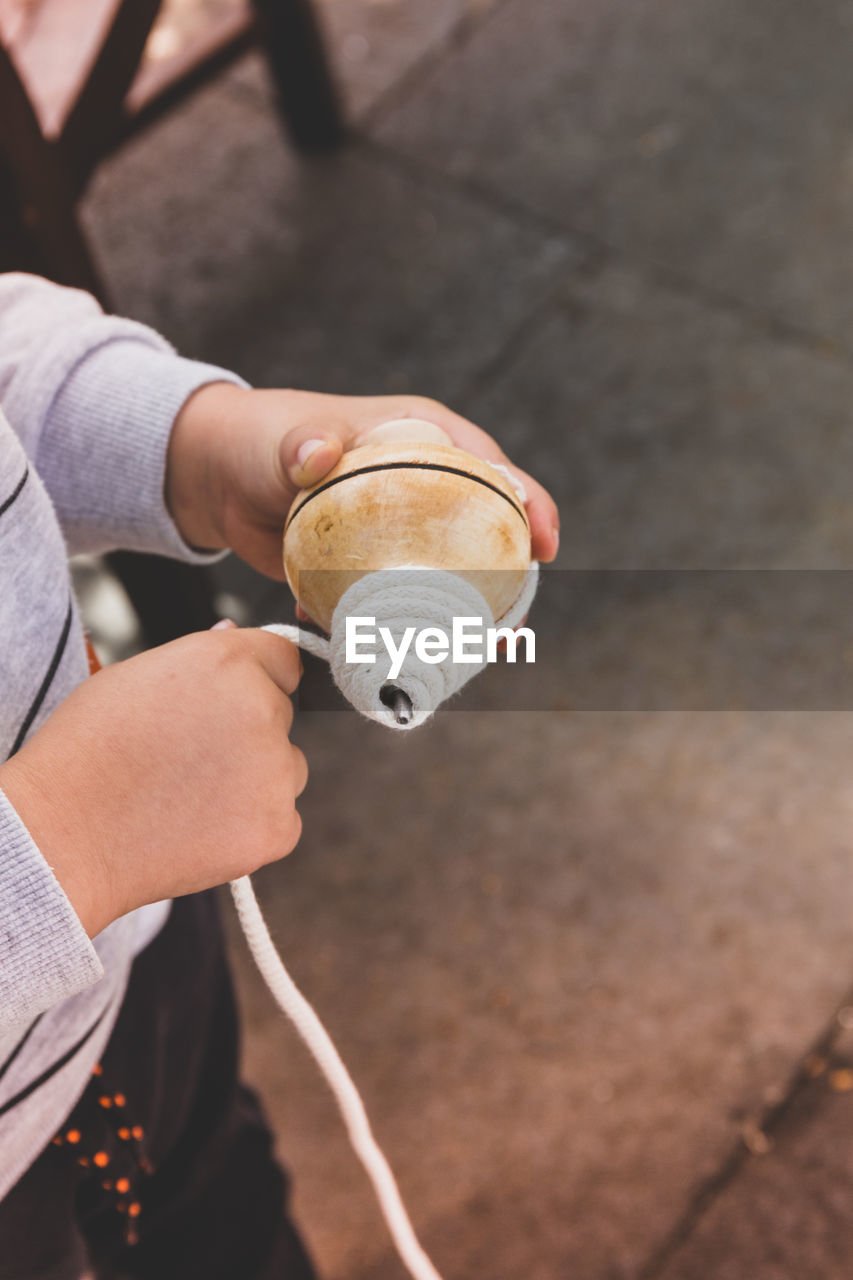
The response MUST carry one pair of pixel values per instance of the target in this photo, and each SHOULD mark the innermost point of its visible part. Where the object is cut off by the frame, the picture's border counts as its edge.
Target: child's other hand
(165, 774)
(238, 457)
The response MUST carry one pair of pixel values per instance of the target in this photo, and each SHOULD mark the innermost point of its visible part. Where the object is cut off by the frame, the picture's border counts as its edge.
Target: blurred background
(592, 971)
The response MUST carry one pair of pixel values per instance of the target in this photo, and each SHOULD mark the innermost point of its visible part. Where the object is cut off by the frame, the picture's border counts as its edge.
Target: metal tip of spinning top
(399, 702)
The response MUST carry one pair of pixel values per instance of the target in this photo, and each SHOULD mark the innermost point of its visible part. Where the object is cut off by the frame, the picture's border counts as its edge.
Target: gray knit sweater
(87, 402)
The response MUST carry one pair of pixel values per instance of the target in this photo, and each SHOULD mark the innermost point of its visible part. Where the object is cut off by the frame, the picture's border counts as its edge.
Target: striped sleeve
(45, 953)
(93, 399)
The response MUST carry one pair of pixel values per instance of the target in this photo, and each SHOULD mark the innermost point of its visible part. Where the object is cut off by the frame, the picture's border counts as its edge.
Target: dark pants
(164, 1170)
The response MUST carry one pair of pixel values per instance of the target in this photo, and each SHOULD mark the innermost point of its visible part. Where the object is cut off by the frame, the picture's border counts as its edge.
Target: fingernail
(555, 534)
(305, 451)
(224, 624)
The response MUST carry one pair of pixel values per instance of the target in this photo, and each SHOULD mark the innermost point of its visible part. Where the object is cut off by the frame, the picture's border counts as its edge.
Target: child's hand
(238, 457)
(165, 774)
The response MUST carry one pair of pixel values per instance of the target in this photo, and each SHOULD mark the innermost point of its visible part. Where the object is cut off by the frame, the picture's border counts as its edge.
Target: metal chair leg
(300, 68)
(36, 199)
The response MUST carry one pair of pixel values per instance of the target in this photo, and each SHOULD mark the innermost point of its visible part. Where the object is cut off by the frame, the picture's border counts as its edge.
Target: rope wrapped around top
(409, 597)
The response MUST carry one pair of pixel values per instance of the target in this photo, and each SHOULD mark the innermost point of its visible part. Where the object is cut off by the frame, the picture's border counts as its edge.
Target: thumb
(308, 453)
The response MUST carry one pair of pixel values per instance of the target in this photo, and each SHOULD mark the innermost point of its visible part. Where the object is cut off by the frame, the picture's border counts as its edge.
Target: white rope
(307, 640)
(519, 610)
(292, 1002)
(399, 599)
(432, 601)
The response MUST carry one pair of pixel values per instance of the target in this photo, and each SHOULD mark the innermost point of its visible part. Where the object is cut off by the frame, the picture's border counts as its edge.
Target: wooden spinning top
(407, 496)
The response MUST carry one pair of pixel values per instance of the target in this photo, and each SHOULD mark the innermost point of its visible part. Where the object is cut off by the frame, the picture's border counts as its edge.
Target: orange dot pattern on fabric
(106, 1144)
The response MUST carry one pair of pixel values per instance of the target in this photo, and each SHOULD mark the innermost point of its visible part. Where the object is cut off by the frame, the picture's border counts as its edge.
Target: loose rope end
(293, 1004)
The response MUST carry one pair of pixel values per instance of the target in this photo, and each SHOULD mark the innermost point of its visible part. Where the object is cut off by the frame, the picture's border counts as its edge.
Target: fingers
(403, 429)
(278, 657)
(300, 771)
(309, 452)
(541, 508)
(302, 615)
(543, 516)
(288, 826)
(287, 704)
(294, 832)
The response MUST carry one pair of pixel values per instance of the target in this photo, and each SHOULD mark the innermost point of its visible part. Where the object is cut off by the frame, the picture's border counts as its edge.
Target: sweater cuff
(102, 452)
(45, 953)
